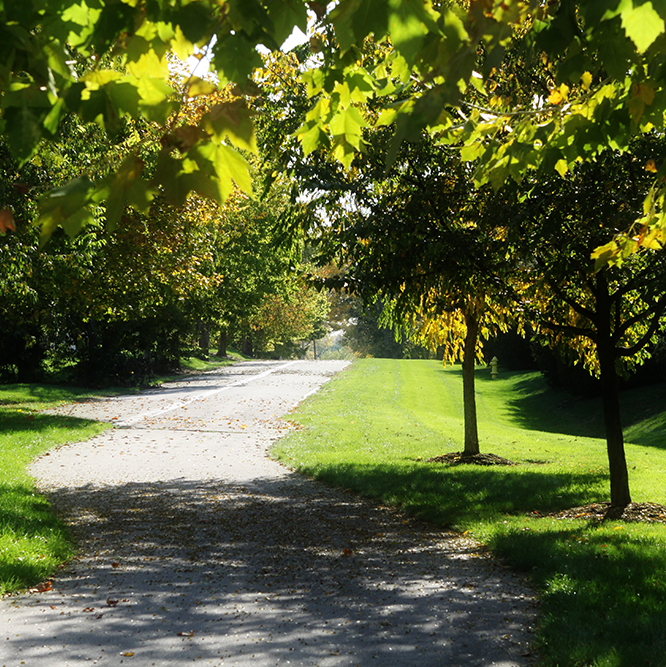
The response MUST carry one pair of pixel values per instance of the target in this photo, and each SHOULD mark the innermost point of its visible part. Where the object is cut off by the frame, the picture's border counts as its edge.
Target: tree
(606, 315)
(421, 240)
(605, 85)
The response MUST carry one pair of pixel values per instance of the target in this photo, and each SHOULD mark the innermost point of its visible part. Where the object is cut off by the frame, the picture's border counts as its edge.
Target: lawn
(33, 543)
(602, 586)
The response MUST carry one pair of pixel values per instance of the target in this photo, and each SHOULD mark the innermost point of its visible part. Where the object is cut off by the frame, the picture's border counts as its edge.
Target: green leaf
(235, 57)
(286, 14)
(231, 164)
(125, 96)
(356, 19)
(118, 188)
(232, 120)
(63, 206)
(604, 254)
(23, 131)
(310, 138)
(642, 25)
(409, 24)
(349, 124)
(77, 221)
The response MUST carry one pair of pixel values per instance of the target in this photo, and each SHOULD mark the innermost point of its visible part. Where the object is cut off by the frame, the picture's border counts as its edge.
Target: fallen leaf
(188, 633)
(41, 588)
(347, 552)
(128, 654)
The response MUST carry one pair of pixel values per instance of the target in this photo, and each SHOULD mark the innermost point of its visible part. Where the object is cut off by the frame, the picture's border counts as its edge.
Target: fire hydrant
(493, 368)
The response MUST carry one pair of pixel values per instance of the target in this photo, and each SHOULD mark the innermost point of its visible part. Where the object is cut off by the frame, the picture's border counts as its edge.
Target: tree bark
(222, 343)
(204, 337)
(610, 394)
(617, 463)
(469, 397)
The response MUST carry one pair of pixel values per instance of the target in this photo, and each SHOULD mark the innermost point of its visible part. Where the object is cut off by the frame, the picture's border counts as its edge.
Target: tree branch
(571, 330)
(636, 347)
(577, 307)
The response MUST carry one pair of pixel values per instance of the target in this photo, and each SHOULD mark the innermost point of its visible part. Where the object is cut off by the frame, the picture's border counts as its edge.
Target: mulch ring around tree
(460, 458)
(634, 512)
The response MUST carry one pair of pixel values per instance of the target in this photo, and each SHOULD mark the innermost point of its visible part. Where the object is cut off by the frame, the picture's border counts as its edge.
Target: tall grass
(603, 587)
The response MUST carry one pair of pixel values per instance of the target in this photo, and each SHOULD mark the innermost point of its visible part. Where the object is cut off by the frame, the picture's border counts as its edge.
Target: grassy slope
(32, 541)
(603, 588)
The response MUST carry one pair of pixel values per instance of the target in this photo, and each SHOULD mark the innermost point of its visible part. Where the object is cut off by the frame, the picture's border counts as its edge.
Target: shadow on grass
(455, 496)
(44, 394)
(22, 423)
(602, 593)
(32, 538)
(535, 406)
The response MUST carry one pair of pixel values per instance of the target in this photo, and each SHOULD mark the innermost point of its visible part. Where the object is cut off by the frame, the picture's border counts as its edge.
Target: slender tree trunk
(246, 346)
(469, 397)
(204, 337)
(610, 394)
(222, 343)
(617, 463)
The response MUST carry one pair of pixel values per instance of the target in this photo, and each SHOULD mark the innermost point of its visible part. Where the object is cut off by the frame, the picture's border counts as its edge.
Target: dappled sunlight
(289, 568)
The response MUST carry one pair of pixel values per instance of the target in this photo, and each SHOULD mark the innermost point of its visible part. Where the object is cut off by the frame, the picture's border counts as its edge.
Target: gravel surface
(195, 547)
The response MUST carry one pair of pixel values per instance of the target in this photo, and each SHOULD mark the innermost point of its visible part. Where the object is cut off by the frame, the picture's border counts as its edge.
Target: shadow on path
(269, 572)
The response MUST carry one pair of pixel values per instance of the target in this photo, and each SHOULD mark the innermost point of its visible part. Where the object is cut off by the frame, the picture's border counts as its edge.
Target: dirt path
(195, 547)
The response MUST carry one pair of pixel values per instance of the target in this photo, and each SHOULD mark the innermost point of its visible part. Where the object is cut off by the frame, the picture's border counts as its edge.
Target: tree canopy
(451, 67)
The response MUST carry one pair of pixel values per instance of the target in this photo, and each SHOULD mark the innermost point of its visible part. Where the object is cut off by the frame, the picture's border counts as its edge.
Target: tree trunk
(617, 463)
(246, 346)
(222, 343)
(204, 337)
(469, 397)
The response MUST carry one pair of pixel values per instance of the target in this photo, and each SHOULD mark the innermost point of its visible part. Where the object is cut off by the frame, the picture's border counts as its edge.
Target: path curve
(195, 547)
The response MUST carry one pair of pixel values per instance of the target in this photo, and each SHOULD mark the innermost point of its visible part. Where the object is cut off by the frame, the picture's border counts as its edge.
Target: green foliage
(373, 427)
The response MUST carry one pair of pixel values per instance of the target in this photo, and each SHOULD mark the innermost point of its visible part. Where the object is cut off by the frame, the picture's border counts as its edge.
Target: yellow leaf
(555, 97)
(558, 95)
(562, 167)
(200, 87)
(586, 80)
(651, 166)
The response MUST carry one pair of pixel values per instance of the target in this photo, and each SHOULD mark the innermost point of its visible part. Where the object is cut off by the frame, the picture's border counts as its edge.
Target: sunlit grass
(32, 540)
(373, 427)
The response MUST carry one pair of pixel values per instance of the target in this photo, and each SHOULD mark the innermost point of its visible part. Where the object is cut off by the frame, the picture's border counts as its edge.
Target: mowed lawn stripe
(602, 586)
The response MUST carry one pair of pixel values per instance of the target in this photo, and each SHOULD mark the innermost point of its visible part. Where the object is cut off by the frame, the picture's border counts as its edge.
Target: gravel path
(195, 547)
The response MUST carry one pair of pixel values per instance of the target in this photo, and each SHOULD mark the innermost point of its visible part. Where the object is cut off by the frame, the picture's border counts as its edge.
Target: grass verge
(33, 542)
(602, 587)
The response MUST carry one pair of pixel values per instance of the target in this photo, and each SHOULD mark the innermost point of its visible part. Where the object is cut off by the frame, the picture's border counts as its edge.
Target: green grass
(602, 587)
(194, 364)
(32, 540)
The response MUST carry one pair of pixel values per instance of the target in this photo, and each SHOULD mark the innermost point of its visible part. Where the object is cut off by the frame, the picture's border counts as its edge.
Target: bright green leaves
(641, 23)
(410, 21)
(346, 127)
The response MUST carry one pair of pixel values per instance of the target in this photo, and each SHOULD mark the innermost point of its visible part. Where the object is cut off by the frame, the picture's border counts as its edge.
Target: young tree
(607, 315)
